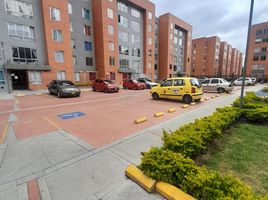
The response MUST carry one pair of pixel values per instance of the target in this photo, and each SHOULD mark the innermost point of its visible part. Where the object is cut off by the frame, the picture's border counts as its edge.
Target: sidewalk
(90, 174)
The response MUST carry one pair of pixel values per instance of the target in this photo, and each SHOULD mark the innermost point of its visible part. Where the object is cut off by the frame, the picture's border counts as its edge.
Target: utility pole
(246, 57)
(4, 67)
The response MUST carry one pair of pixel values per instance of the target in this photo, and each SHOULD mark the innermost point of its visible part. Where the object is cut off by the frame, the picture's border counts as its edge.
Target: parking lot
(106, 117)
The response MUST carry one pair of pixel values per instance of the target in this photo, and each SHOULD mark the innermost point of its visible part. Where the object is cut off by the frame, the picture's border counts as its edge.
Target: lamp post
(246, 57)
(5, 70)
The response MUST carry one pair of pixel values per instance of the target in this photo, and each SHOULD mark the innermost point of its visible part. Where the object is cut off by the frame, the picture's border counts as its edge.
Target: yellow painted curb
(38, 94)
(185, 106)
(140, 120)
(202, 100)
(206, 99)
(20, 95)
(171, 192)
(159, 114)
(171, 110)
(192, 104)
(4, 134)
(140, 178)
(217, 95)
(213, 97)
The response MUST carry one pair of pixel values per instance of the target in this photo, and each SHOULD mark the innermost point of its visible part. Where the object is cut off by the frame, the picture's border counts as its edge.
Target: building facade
(257, 61)
(223, 58)
(174, 47)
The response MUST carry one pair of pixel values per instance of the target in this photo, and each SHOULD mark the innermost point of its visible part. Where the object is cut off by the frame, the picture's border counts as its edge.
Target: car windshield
(195, 82)
(108, 81)
(135, 81)
(66, 83)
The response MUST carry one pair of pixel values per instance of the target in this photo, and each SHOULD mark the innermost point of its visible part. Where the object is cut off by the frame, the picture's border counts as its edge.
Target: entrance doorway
(19, 79)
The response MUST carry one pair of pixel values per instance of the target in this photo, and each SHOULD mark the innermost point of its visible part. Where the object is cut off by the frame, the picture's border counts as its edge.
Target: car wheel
(221, 90)
(94, 89)
(58, 94)
(155, 96)
(187, 99)
(78, 95)
(197, 100)
(124, 87)
(49, 92)
(148, 86)
(248, 84)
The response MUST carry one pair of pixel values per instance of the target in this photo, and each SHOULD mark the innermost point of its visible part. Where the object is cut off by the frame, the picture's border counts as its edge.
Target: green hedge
(192, 139)
(174, 168)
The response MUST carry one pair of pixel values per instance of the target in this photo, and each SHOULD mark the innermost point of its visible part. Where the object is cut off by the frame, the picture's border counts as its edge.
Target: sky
(227, 19)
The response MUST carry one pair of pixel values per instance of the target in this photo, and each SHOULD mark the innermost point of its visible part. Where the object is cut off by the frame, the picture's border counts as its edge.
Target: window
(257, 50)
(179, 82)
(111, 46)
(175, 40)
(150, 41)
(171, 36)
(150, 65)
(87, 30)
(34, 77)
(72, 43)
(255, 58)
(136, 52)
(122, 7)
(123, 36)
(123, 50)
(71, 27)
(110, 30)
(20, 31)
(122, 21)
(112, 61)
(214, 81)
(135, 13)
(110, 13)
(85, 13)
(263, 57)
(206, 82)
(57, 35)
(135, 26)
(24, 55)
(59, 56)
(2, 80)
(76, 76)
(92, 76)
(263, 49)
(180, 42)
(89, 61)
(54, 14)
(61, 75)
(149, 28)
(19, 8)
(124, 63)
(70, 8)
(74, 61)
(112, 75)
(167, 83)
(150, 15)
(88, 46)
(171, 25)
(135, 39)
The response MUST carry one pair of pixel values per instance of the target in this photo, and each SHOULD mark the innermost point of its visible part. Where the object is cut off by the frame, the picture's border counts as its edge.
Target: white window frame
(58, 35)
(19, 8)
(110, 30)
(70, 8)
(111, 46)
(135, 13)
(150, 15)
(77, 76)
(54, 14)
(35, 77)
(20, 31)
(59, 56)
(61, 75)
(110, 13)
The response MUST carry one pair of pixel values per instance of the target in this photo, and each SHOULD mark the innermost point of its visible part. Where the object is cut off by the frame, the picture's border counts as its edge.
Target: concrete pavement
(67, 168)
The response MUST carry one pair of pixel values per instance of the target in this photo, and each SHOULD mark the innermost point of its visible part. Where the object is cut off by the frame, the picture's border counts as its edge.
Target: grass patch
(243, 152)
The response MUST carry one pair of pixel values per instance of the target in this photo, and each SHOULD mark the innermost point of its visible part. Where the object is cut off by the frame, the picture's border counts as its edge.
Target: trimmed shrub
(257, 115)
(174, 168)
(192, 139)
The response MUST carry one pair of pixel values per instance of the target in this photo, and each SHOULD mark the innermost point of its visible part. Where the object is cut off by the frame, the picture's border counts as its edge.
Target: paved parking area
(108, 117)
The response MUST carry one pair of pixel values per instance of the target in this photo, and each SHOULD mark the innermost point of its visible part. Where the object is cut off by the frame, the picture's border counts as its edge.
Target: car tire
(155, 96)
(59, 94)
(49, 92)
(220, 90)
(93, 89)
(124, 87)
(187, 99)
(197, 100)
(248, 84)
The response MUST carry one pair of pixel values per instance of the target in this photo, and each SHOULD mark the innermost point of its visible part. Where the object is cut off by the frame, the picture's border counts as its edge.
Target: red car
(133, 84)
(105, 86)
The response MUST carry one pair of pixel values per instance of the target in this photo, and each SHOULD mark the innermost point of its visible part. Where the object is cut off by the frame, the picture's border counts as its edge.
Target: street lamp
(246, 57)
(5, 70)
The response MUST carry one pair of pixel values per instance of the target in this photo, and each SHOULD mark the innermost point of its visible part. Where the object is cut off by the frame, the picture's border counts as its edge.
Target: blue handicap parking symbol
(71, 115)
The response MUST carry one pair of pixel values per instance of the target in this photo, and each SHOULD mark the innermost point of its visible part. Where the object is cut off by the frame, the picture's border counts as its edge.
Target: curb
(185, 106)
(159, 114)
(140, 120)
(140, 178)
(171, 110)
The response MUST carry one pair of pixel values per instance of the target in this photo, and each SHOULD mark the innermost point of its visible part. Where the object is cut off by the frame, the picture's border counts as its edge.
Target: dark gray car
(63, 88)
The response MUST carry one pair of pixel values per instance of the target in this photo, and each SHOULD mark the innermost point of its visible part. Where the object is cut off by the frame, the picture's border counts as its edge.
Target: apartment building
(229, 59)
(174, 46)
(124, 38)
(234, 59)
(205, 57)
(257, 61)
(240, 64)
(223, 58)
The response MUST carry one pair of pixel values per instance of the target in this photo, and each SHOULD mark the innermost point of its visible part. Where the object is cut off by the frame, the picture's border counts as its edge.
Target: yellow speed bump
(140, 120)
(185, 106)
(206, 99)
(20, 95)
(193, 103)
(171, 110)
(217, 95)
(159, 114)
(171, 192)
(212, 97)
(202, 100)
(140, 178)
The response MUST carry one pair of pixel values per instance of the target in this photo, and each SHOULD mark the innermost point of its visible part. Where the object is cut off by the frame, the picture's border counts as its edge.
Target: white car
(149, 84)
(248, 81)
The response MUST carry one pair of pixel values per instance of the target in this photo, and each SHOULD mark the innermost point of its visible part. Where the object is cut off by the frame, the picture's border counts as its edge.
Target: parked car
(219, 85)
(63, 88)
(248, 81)
(133, 84)
(186, 89)
(105, 86)
(201, 79)
(254, 80)
(149, 84)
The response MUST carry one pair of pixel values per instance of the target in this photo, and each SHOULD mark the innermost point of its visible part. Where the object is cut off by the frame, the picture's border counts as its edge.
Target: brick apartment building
(213, 58)
(257, 63)
(76, 40)
(173, 47)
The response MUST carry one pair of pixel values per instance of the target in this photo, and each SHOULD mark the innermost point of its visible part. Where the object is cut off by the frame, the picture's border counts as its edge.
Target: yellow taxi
(187, 89)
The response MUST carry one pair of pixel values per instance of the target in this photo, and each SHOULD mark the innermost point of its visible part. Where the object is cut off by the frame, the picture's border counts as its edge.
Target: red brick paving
(109, 116)
(33, 190)
(6, 105)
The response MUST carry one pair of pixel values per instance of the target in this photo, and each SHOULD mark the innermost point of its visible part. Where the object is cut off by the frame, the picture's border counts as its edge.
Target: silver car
(219, 85)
